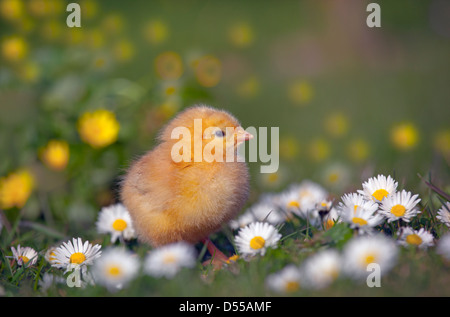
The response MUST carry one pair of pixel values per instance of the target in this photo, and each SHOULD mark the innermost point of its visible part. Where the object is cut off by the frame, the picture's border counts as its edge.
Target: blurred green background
(350, 101)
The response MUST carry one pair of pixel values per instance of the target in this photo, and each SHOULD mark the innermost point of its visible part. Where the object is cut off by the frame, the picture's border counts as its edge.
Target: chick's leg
(216, 254)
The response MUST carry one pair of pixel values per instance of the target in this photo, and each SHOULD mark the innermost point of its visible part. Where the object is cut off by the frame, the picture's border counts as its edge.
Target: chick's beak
(242, 135)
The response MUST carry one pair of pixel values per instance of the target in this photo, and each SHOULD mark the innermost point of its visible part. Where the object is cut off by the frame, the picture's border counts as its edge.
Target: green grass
(376, 78)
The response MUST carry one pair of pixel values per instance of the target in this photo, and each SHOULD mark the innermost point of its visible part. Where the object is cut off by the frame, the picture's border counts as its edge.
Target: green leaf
(339, 234)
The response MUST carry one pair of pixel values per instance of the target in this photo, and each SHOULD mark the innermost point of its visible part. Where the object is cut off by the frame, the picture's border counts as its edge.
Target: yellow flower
(11, 9)
(89, 8)
(44, 8)
(319, 150)
(289, 147)
(404, 136)
(52, 29)
(249, 87)
(113, 24)
(123, 50)
(156, 32)
(358, 150)
(99, 128)
(300, 92)
(208, 71)
(15, 189)
(28, 72)
(14, 48)
(169, 65)
(55, 154)
(241, 35)
(95, 39)
(336, 124)
(441, 142)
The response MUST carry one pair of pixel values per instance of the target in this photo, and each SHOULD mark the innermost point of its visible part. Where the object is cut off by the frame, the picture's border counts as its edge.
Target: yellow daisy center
(398, 210)
(119, 225)
(170, 90)
(380, 194)
(257, 243)
(24, 259)
(169, 258)
(370, 258)
(292, 286)
(233, 258)
(77, 258)
(359, 221)
(414, 239)
(294, 203)
(329, 223)
(114, 270)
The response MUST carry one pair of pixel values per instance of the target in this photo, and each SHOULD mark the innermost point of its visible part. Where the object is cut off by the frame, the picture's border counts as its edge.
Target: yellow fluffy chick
(172, 195)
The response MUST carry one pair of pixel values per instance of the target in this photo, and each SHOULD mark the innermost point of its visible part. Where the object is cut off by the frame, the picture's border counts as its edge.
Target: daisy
(24, 256)
(443, 246)
(50, 255)
(48, 280)
(266, 210)
(322, 268)
(246, 218)
(76, 254)
(168, 260)
(361, 251)
(377, 188)
(116, 220)
(355, 200)
(420, 238)
(115, 268)
(331, 218)
(256, 238)
(443, 214)
(400, 205)
(361, 215)
(310, 194)
(289, 201)
(287, 280)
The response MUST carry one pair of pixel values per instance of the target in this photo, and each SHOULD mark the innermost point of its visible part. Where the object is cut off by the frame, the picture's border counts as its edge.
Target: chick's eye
(219, 133)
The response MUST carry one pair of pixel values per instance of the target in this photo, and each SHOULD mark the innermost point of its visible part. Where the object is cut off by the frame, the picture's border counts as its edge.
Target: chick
(174, 200)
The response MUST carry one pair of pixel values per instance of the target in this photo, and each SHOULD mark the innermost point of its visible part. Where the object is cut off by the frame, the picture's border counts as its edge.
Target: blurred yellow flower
(169, 65)
(336, 124)
(319, 149)
(98, 128)
(208, 71)
(123, 50)
(241, 35)
(14, 48)
(15, 189)
(404, 136)
(95, 39)
(289, 147)
(168, 108)
(55, 154)
(74, 36)
(300, 92)
(52, 29)
(28, 71)
(113, 24)
(441, 142)
(11, 9)
(156, 32)
(249, 87)
(89, 8)
(45, 8)
(358, 150)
